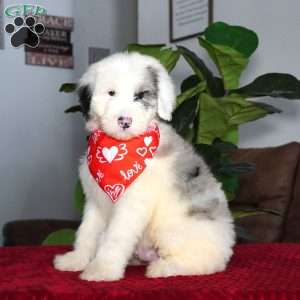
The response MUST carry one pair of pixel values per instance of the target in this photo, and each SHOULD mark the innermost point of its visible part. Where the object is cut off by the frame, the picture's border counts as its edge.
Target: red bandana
(115, 164)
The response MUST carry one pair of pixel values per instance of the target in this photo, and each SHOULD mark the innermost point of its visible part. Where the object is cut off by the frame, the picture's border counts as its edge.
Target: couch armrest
(292, 222)
(33, 232)
(270, 186)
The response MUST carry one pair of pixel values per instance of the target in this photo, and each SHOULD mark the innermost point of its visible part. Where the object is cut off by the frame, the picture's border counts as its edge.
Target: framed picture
(188, 18)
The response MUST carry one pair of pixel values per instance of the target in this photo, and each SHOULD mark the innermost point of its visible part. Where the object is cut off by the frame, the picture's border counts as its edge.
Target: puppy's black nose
(124, 122)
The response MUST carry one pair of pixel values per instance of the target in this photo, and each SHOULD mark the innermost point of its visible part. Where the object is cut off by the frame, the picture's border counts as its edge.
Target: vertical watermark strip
(1, 24)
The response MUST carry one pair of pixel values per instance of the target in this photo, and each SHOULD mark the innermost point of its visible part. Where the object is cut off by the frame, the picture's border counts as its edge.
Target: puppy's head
(124, 92)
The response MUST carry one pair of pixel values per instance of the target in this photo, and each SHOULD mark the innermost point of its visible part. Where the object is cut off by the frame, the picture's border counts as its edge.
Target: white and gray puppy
(175, 214)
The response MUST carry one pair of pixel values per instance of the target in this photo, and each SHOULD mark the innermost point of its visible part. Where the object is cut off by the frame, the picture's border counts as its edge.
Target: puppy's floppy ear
(166, 92)
(85, 90)
(85, 96)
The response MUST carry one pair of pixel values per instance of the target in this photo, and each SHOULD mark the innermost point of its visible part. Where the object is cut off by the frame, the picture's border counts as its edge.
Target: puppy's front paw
(71, 261)
(96, 271)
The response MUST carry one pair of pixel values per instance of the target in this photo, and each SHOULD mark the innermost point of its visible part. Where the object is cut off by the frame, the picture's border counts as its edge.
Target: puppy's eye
(140, 95)
(111, 93)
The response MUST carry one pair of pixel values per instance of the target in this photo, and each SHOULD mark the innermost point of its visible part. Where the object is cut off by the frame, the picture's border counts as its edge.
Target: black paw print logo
(25, 32)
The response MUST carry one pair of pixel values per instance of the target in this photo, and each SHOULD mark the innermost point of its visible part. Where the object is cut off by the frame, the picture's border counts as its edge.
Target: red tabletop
(264, 271)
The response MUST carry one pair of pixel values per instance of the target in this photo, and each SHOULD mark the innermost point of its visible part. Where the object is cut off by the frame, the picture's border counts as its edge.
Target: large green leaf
(236, 168)
(60, 237)
(243, 214)
(218, 157)
(167, 56)
(232, 135)
(273, 85)
(214, 85)
(73, 109)
(214, 154)
(189, 82)
(210, 154)
(230, 183)
(239, 38)
(79, 197)
(184, 116)
(68, 87)
(250, 211)
(229, 61)
(221, 116)
(269, 108)
(192, 92)
(239, 111)
(213, 121)
(223, 146)
(230, 186)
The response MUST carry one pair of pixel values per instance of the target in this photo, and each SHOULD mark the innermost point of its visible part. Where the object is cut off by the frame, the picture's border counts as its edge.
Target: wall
(278, 26)
(108, 24)
(37, 148)
(40, 145)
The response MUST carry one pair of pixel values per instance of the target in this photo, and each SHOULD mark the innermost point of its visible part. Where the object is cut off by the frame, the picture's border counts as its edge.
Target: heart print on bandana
(147, 140)
(114, 191)
(115, 164)
(108, 154)
(141, 151)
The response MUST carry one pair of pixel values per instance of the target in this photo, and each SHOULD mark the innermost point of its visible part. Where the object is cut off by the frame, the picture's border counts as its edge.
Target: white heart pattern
(114, 191)
(152, 150)
(110, 153)
(141, 151)
(147, 140)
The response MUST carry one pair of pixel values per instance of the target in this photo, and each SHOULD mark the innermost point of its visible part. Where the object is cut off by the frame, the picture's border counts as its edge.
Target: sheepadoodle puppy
(149, 197)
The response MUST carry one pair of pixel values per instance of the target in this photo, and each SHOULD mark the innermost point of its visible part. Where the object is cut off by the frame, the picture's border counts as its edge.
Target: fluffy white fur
(185, 220)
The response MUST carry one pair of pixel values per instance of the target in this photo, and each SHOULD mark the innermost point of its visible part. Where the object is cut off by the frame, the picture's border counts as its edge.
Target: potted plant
(210, 108)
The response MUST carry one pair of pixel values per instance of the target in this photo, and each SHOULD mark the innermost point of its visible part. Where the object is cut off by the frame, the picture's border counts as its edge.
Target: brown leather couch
(33, 232)
(275, 185)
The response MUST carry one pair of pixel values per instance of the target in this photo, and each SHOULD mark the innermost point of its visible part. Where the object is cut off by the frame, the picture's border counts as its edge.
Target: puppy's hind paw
(162, 268)
(71, 261)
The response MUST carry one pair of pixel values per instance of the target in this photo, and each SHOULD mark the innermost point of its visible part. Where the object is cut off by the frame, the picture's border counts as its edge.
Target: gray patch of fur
(149, 89)
(153, 77)
(192, 175)
(204, 209)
